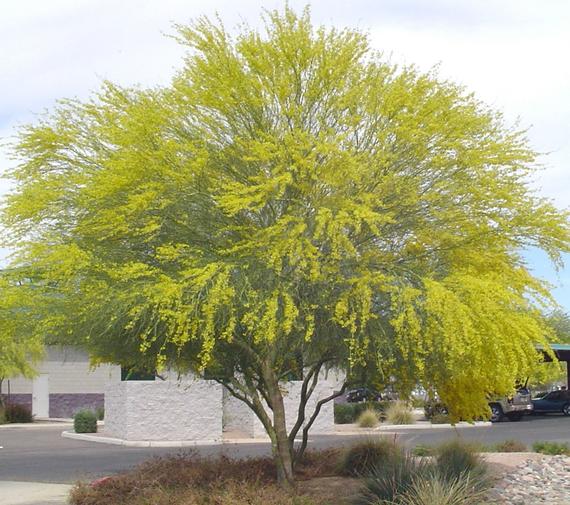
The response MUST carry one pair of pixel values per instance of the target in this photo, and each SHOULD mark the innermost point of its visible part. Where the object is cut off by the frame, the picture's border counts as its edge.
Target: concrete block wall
(164, 410)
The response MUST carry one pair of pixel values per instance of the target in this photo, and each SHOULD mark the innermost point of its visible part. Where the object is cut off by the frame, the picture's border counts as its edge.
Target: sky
(511, 53)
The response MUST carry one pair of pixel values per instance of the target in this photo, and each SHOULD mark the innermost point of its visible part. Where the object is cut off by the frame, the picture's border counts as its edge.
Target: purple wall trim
(67, 404)
(21, 399)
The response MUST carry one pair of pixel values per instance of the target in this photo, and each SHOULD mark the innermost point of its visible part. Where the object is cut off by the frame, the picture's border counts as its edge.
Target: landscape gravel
(546, 480)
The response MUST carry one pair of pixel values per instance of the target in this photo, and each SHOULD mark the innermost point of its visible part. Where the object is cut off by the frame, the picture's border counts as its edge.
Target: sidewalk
(33, 493)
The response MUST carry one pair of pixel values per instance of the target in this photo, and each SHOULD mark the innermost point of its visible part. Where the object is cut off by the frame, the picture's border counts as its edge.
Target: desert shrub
(393, 478)
(85, 421)
(192, 480)
(551, 448)
(510, 446)
(319, 463)
(346, 413)
(434, 408)
(100, 413)
(368, 419)
(400, 413)
(361, 458)
(440, 419)
(221, 493)
(435, 490)
(423, 450)
(17, 413)
(456, 459)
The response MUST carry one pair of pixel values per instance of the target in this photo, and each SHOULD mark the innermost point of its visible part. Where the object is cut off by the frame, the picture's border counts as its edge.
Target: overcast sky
(511, 53)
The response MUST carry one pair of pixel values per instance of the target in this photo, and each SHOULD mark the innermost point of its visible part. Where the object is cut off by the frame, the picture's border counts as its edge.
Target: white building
(65, 383)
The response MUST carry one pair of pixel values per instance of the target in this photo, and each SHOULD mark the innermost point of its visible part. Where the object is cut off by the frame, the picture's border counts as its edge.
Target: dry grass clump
(368, 419)
(400, 413)
(361, 458)
(510, 445)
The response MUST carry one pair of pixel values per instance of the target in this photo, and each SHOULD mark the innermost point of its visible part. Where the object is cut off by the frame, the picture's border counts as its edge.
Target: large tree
(291, 202)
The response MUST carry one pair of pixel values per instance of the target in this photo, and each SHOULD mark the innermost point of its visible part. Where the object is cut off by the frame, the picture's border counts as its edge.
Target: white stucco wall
(237, 417)
(291, 395)
(164, 410)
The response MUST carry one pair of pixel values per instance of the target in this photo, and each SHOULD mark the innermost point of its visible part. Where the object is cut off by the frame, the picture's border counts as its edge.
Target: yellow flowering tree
(291, 202)
(20, 345)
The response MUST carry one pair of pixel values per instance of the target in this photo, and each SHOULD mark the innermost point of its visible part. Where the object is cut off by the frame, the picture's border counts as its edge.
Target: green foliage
(433, 408)
(361, 458)
(455, 471)
(399, 412)
(21, 346)
(368, 419)
(436, 490)
(100, 413)
(551, 448)
(2, 415)
(423, 450)
(394, 478)
(85, 421)
(346, 413)
(290, 196)
(440, 419)
(17, 413)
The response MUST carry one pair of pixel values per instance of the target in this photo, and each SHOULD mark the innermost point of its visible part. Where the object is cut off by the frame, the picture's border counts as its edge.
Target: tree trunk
(282, 447)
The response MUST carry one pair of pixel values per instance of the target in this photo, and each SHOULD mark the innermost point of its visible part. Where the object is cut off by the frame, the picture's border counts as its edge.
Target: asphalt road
(42, 455)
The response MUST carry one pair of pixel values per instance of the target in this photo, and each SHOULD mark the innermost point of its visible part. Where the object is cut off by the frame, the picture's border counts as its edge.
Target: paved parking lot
(42, 455)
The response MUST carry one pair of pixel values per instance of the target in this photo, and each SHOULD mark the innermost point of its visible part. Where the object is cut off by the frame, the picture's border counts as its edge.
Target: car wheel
(566, 409)
(496, 413)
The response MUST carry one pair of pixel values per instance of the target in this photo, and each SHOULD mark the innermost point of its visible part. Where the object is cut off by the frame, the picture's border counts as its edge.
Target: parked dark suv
(555, 401)
(362, 395)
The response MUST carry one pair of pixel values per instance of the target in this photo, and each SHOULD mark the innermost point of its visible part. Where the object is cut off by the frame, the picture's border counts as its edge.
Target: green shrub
(85, 421)
(436, 490)
(417, 403)
(2, 416)
(368, 419)
(456, 458)
(440, 419)
(347, 413)
(434, 408)
(392, 479)
(361, 458)
(551, 448)
(16, 413)
(400, 413)
(100, 413)
(510, 446)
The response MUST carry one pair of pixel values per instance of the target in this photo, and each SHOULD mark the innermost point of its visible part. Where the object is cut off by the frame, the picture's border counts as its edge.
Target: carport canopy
(562, 353)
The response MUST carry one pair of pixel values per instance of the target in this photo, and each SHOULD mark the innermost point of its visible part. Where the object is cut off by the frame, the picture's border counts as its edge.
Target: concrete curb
(87, 437)
(392, 428)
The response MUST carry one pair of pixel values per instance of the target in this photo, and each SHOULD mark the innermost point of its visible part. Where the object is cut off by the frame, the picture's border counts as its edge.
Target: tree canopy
(293, 200)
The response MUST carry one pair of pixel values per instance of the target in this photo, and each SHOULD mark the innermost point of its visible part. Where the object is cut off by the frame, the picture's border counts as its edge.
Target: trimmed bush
(85, 421)
(361, 458)
(435, 490)
(368, 419)
(16, 413)
(399, 413)
(551, 448)
(510, 446)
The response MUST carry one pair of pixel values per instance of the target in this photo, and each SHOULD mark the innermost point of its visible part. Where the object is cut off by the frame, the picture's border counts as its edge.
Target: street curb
(87, 437)
(137, 443)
